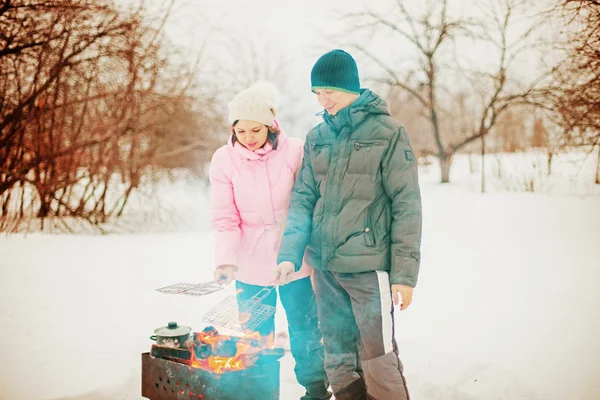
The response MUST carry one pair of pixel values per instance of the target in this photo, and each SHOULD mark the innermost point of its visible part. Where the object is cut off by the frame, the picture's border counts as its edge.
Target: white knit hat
(257, 103)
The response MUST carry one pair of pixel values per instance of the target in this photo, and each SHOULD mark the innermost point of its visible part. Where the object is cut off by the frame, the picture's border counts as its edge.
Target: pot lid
(172, 329)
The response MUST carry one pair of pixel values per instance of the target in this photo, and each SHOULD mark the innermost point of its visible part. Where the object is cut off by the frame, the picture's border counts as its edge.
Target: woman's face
(251, 134)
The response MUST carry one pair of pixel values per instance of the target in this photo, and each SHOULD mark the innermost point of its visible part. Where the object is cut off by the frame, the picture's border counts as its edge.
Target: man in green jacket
(355, 214)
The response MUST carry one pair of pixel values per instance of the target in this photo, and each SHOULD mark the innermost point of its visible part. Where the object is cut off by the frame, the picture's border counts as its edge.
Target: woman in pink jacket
(251, 179)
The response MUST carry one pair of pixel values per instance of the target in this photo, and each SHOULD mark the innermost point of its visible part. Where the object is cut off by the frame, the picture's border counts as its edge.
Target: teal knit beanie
(335, 70)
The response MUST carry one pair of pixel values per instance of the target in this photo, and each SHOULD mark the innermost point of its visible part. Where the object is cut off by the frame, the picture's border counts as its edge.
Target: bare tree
(431, 36)
(503, 88)
(88, 96)
(575, 93)
(510, 132)
(48, 53)
(407, 109)
(428, 35)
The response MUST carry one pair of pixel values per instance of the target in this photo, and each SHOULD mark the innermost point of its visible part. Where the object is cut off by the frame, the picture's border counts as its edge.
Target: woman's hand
(224, 274)
(284, 272)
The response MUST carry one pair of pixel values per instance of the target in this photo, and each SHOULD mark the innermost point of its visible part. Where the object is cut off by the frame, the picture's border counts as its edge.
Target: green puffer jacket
(356, 205)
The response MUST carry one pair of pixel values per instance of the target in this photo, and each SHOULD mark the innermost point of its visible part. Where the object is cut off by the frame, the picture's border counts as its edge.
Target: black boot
(355, 391)
(317, 391)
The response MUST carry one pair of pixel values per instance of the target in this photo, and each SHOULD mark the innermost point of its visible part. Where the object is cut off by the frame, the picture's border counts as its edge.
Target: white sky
(291, 35)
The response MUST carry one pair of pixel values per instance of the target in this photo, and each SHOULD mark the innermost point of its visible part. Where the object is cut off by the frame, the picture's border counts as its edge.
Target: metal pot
(172, 335)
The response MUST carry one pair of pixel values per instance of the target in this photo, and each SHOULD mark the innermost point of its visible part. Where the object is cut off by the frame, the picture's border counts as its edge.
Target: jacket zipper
(358, 146)
(323, 227)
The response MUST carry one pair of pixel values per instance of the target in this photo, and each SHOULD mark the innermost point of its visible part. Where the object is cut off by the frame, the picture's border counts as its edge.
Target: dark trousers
(300, 307)
(356, 315)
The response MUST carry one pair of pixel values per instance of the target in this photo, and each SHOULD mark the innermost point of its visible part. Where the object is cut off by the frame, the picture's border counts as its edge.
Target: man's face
(334, 100)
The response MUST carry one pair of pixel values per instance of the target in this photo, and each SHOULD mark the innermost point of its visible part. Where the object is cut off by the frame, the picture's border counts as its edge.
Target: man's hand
(284, 272)
(224, 274)
(405, 293)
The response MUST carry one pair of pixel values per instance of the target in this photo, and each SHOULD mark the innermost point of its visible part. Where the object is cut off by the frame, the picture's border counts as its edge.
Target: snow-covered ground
(506, 306)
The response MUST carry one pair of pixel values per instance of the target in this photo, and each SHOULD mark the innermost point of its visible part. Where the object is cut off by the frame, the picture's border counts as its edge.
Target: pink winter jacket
(250, 195)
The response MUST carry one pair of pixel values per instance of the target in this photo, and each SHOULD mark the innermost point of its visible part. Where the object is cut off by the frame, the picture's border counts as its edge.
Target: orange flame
(247, 348)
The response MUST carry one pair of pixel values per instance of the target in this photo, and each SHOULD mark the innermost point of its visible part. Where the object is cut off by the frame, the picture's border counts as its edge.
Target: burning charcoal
(211, 330)
(203, 350)
(225, 348)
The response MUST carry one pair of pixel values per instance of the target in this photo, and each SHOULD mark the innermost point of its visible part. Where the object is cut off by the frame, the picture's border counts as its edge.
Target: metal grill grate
(191, 289)
(247, 316)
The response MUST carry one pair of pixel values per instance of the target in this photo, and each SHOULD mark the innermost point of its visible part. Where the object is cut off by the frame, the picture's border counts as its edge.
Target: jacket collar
(368, 103)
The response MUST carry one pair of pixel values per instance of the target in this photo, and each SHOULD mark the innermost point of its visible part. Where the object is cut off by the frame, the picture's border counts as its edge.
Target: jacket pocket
(365, 157)
(356, 244)
(380, 216)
